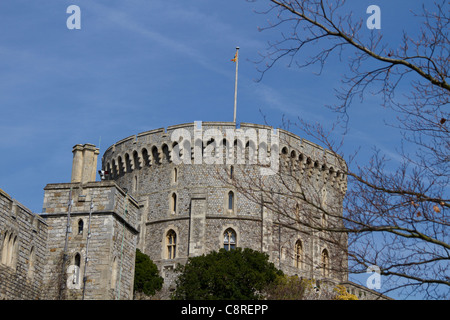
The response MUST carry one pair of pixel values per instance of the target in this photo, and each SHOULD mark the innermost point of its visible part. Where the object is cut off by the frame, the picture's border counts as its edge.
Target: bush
(146, 276)
(239, 274)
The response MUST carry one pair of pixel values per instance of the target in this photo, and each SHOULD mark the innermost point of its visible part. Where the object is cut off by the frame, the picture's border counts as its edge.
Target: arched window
(127, 162)
(77, 263)
(114, 168)
(80, 226)
(173, 203)
(136, 164)
(5, 248)
(229, 239)
(325, 263)
(298, 254)
(155, 155)
(121, 167)
(12, 248)
(230, 201)
(171, 241)
(166, 153)
(145, 157)
(77, 260)
(31, 263)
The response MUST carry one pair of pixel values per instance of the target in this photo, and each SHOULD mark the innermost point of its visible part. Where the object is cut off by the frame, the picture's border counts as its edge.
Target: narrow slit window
(230, 200)
(325, 263)
(76, 270)
(174, 202)
(298, 254)
(80, 226)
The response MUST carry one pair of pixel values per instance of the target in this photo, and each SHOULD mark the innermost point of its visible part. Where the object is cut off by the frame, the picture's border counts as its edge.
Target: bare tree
(396, 217)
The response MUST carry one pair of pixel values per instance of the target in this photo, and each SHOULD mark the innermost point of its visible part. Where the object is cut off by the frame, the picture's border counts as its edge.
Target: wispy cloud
(185, 47)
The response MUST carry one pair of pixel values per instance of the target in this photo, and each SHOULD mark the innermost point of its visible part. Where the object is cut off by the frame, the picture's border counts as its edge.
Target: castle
(176, 193)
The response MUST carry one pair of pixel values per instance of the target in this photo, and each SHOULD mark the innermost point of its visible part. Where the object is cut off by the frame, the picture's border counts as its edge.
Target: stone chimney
(84, 165)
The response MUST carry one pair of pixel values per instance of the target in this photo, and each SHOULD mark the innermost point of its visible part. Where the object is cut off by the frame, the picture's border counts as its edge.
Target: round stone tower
(207, 186)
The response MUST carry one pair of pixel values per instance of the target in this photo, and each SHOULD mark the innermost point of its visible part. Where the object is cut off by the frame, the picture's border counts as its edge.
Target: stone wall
(134, 207)
(144, 164)
(23, 237)
(112, 243)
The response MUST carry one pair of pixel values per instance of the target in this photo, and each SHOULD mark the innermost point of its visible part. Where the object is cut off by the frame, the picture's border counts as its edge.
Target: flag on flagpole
(235, 57)
(235, 83)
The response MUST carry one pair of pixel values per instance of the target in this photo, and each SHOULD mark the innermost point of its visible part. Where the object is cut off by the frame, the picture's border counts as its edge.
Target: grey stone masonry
(111, 228)
(23, 243)
(195, 203)
(83, 244)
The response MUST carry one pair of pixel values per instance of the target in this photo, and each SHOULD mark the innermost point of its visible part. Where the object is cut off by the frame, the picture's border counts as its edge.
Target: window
(173, 203)
(135, 184)
(155, 155)
(230, 201)
(13, 250)
(9, 249)
(171, 240)
(145, 158)
(175, 175)
(5, 248)
(325, 263)
(120, 164)
(136, 164)
(298, 254)
(166, 153)
(80, 226)
(127, 163)
(229, 239)
(76, 270)
(31, 264)
(231, 172)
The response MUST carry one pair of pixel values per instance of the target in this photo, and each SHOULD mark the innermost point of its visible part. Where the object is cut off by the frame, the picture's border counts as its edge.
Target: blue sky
(138, 65)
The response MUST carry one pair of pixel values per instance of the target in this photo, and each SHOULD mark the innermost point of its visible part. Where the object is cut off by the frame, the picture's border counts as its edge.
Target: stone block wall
(144, 164)
(110, 249)
(23, 240)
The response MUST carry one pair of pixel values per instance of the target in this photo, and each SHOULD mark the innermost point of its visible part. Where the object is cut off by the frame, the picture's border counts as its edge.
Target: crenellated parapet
(251, 143)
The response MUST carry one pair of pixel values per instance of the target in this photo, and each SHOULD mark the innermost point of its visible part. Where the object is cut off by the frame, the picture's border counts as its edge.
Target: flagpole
(235, 84)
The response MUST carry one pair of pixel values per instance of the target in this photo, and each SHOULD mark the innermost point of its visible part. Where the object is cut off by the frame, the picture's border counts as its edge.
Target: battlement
(15, 208)
(107, 198)
(23, 237)
(157, 146)
(99, 235)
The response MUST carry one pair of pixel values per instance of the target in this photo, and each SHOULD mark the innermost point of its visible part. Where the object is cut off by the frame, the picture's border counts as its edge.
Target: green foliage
(239, 274)
(146, 277)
